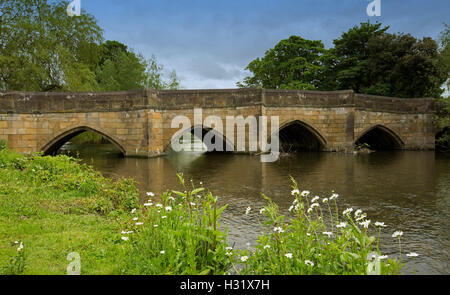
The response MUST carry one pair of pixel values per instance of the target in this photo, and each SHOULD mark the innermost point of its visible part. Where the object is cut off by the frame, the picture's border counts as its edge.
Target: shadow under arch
(52, 147)
(297, 135)
(227, 145)
(442, 139)
(380, 137)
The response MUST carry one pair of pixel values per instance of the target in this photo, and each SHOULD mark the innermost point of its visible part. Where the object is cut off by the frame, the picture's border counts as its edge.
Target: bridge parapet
(20, 102)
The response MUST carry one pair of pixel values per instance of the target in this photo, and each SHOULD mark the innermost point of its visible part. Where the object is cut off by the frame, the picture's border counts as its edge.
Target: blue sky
(209, 43)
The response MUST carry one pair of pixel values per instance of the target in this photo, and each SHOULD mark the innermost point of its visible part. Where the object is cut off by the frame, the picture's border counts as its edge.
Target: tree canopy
(44, 49)
(365, 59)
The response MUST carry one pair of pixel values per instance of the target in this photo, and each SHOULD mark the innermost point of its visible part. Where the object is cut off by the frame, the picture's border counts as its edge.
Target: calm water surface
(409, 191)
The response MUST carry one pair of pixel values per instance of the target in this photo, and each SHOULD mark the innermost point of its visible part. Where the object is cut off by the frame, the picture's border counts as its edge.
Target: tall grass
(317, 239)
(180, 234)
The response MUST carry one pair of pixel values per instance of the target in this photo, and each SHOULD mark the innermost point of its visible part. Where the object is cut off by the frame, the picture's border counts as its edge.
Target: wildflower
(308, 262)
(20, 247)
(327, 233)
(295, 192)
(347, 211)
(262, 210)
(159, 205)
(171, 198)
(266, 246)
(334, 196)
(397, 234)
(229, 248)
(309, 210)
(132, 211)
(162, 252)
(313, 205)
(155, 225)
(150, 194)
(247, 210)
(192, 203)
(382, 257)
(290, 208)
(163, 217)
(325, 200)
(148, 204)
(295, 202)
(288, 255)
(125, 238)
(308, 234)
(412, 254)
(342, 225)
(228, 253)
(126, 232)
(244, 258)
(278, 229)
(168, 208)
(139, 223)
(361, 217)
(305, 193)
(380, 224)
(365, 223)
(315, 199)
(135, 218)
(359, 211)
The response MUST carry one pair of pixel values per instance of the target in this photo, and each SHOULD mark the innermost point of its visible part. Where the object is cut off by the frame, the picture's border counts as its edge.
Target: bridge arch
(228, 146)
(51, 147)
(298, 135)
(380, 137)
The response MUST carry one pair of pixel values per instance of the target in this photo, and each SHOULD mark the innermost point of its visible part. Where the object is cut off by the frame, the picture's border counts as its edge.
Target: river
(408, 190)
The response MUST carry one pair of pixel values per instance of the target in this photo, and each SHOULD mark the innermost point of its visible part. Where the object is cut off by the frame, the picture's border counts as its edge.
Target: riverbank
(55, 206)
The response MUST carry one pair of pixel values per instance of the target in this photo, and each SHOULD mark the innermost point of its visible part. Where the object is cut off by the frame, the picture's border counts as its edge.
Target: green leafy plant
(317, 239)
(17, 263)
(179, 235)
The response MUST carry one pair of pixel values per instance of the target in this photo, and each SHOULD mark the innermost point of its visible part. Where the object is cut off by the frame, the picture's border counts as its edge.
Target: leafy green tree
(121, 69)
(43, 49)
(294, 63)
(443, 114)
(118, 68)
(347, 62)
(365, 59)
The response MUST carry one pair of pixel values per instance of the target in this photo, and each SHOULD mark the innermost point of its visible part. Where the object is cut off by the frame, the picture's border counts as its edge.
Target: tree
(43, 49)
(118, 68)
(347, 62)
(443, 114)
(294, 63)
(365, 59)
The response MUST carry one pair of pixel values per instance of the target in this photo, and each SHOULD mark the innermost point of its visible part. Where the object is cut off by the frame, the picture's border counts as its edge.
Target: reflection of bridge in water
(138, 122)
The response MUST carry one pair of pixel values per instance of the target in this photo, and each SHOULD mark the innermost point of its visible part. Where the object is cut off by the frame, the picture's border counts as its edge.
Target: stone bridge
(138, 122)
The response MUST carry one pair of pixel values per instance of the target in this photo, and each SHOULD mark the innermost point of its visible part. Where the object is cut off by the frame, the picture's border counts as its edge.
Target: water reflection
(409, 191)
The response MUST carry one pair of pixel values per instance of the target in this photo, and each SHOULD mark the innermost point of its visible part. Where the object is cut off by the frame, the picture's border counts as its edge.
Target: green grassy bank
(56, 206)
